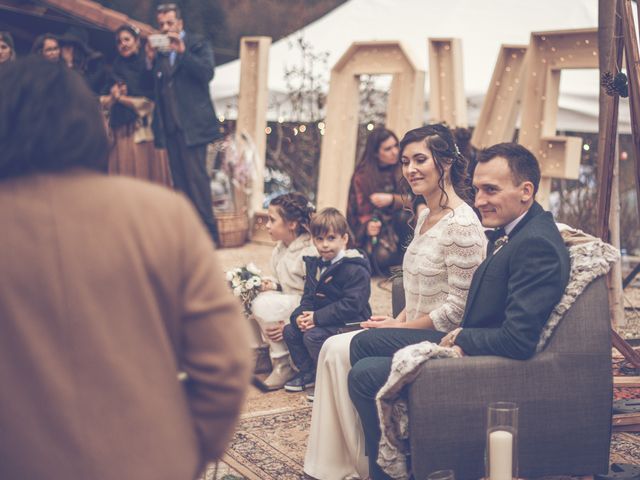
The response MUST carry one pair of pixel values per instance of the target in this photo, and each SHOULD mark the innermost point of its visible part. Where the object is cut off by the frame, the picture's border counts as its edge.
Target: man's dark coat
(340, 294)
(189, 79)
(515, 289)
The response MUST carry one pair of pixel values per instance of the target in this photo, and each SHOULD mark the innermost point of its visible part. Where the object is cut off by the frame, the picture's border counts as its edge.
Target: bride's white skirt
(336, 442)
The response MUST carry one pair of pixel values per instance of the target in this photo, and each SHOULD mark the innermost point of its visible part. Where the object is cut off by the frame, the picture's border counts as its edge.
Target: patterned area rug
(625, 448)
(271, 445)
(271, 438)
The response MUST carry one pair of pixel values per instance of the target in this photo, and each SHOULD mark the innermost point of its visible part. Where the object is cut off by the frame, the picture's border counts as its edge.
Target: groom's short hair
(522, 163)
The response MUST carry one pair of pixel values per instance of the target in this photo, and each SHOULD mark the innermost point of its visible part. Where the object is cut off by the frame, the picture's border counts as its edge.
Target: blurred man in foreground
(110, 287)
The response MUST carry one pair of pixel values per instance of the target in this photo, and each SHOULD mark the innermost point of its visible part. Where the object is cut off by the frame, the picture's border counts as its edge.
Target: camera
(160, 42)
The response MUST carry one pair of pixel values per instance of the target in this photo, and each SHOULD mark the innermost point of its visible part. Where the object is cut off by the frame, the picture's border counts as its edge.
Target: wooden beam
(404, 110)
(497, 120)
(626, 382)
(625, 349)
(447, 101)
(549, 53)
(22, 7)
(252, 106)
(611, 61)
(626, 422)
(97, 15)
(633, 71)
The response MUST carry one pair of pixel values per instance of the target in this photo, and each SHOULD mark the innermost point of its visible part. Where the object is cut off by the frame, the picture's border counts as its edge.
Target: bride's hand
(380, 321)
(268, 285)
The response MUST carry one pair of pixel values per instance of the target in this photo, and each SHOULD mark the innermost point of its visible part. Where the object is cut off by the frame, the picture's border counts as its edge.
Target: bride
(447, 247)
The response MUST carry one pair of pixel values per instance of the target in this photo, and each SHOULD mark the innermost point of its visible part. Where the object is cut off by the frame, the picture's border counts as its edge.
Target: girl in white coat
(289, 217)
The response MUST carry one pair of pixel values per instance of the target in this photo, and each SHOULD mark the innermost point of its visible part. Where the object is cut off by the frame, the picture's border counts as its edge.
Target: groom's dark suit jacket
(515, 289)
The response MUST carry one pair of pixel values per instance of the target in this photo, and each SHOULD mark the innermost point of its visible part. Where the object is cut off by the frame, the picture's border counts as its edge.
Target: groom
(512, 292)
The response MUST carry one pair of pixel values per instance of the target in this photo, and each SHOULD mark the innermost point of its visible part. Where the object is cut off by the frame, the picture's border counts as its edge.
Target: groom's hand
(449, 340)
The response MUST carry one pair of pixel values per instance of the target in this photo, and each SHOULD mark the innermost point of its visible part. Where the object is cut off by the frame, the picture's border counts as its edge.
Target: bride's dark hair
(440, 142)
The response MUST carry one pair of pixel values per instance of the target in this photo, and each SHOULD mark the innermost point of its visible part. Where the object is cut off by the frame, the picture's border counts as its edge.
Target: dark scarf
(133, 72)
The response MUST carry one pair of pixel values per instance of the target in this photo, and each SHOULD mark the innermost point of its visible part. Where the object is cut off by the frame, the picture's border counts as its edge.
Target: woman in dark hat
(79, 56)
(47, 46)
(7, 50)
(129, 109)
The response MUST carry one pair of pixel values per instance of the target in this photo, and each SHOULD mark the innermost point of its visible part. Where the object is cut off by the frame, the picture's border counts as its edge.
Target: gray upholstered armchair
(564, 394)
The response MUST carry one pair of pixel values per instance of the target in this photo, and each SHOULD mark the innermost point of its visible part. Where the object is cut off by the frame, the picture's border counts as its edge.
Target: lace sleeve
(463, 245)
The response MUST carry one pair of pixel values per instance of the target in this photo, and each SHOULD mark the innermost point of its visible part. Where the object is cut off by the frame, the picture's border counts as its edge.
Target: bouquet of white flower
(246, 283)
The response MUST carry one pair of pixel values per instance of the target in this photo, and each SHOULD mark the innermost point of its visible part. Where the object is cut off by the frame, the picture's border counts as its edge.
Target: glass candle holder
(441, 475)
(501, 457)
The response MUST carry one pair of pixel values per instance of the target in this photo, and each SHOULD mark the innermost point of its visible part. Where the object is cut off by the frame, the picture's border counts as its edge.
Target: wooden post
(610, 28)
(616, 304)
(407, 91)
(633, 72)
(497, 120)
(447, 101)
(252, 106)
(608, 227)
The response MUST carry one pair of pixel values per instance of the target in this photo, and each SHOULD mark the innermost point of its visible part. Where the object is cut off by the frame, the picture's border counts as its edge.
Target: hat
(76, 36)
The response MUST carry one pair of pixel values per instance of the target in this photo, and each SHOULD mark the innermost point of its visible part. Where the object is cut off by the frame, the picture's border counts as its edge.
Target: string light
(267, 130)
(370, 126)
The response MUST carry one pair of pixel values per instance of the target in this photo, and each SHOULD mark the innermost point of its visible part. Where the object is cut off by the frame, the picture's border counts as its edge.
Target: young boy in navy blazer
(336, 291)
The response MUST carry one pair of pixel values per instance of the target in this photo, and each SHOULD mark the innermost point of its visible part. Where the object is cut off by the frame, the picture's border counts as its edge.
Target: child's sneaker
(311, 396)
(300, 382)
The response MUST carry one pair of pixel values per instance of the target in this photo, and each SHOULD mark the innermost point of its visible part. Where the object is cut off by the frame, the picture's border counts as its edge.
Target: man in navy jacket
(184, 119)
(336, 291)
(512, 292)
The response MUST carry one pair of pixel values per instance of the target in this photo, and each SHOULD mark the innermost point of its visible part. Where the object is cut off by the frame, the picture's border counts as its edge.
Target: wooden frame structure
(497, 120)
(404, 110)
(547, 55)
(447, 101)
(252, 106)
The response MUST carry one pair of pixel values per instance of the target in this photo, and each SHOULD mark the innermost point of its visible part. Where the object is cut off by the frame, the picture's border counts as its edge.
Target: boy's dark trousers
(305, 347)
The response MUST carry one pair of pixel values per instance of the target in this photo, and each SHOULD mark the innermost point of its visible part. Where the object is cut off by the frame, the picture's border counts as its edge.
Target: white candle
(500, 455)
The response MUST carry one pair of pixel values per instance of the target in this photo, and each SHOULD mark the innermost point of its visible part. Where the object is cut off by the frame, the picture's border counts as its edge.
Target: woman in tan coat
(289, 218)
(110, 292)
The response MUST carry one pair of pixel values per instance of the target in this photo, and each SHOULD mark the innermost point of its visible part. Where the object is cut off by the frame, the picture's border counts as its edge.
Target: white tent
(482, 26)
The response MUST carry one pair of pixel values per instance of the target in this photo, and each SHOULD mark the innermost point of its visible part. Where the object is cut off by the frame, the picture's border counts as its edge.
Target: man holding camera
(184, 119)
